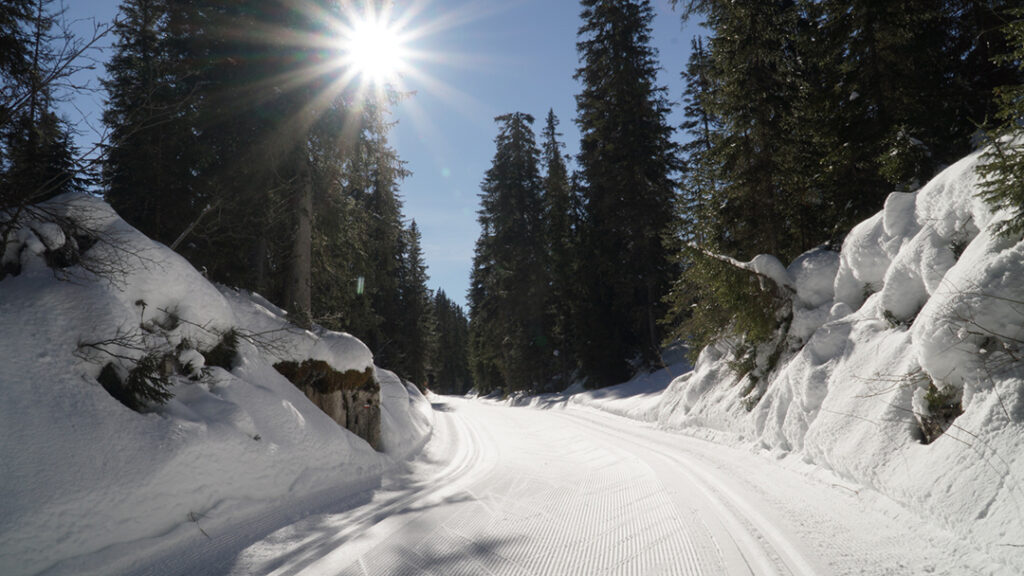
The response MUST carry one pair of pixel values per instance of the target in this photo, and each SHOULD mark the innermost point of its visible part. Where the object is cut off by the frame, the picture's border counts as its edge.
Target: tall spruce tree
(699, 179)
(1004, 160)
(152, 153)
(360, 232)
(14, 56)
(415, 315)
(232, 141)
(449, 361)
(275, 137)
(698, 185)
(561, 209)
(979, 39)
(38, 158)
(901, 114)
(626, 165)
(509, 346)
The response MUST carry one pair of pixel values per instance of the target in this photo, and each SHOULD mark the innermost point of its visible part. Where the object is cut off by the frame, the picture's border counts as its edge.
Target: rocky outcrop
(350, 398)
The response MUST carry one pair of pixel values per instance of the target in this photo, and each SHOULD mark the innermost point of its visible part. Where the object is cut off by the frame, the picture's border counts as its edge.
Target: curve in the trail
(523, 491)
(565, 498)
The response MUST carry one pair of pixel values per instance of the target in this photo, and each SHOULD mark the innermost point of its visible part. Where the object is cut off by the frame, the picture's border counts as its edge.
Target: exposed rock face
(351, 398)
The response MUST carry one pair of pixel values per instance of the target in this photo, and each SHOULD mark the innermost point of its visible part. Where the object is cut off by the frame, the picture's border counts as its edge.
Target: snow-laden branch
(765, 266)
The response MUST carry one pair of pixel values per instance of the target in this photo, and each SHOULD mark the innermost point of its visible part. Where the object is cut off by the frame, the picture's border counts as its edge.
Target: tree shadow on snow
(306, 542)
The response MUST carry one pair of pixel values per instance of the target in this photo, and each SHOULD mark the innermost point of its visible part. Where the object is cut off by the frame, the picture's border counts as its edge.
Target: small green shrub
(145, 384)
(957, 247)
(897, 322)
(744, 361)
(944, 406)
(225, 352)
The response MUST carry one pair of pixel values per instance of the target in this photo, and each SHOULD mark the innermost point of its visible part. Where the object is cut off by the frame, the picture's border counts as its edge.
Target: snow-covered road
(502, 490)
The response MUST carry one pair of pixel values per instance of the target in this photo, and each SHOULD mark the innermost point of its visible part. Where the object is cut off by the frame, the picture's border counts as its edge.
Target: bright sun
(375, 50)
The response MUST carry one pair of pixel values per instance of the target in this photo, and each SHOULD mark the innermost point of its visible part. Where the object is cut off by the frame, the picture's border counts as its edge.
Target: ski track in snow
(522, 491)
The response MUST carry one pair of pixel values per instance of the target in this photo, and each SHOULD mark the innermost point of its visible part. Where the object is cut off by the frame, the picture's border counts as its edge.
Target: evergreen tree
(978, 41)
(38, 154)
(152, 154)
(276, 136)
(14, 57)
(231, 141)
(560, 214)
(449, 363)
(248, 173)
(753, 98)
(698, 185)
(413, 332)
(815, 111)
(388, 248)
(509, 348)
(1004, 162)
(699, 179)
(626, 164)
(900, 114)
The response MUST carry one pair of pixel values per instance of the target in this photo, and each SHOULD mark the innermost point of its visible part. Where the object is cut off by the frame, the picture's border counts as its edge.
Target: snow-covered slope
(923, 305)
(81, 475)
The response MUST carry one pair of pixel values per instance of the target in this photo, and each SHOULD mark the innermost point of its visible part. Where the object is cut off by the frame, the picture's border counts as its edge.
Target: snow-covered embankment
(86, 481)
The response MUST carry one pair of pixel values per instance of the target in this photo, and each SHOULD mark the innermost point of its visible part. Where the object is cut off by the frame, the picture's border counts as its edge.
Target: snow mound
(406, 416)
(919, 316)
(82, 474)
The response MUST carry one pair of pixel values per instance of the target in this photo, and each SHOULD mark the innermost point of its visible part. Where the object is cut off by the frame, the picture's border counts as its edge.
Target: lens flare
(375, 49)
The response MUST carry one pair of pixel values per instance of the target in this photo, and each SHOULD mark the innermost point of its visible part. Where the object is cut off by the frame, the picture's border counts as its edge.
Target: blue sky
(482, 58)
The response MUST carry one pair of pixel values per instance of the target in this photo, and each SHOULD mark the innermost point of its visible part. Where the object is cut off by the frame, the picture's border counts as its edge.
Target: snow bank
(922, 299)
(81, 474)
(406, 416)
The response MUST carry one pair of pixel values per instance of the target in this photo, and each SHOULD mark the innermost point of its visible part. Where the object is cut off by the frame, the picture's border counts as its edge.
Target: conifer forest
(224, 141)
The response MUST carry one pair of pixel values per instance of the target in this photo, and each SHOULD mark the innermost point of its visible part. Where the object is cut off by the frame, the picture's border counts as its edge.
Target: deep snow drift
(90, 485)
(922, 304)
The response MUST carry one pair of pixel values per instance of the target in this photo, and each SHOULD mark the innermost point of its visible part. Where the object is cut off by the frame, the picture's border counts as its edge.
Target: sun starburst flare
(375, 49)
(355, 52)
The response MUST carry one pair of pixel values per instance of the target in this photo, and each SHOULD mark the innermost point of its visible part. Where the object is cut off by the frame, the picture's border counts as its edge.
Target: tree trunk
(298, 286)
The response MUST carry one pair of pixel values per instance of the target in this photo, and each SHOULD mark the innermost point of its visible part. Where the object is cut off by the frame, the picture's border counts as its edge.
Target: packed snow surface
(515, 491)
(90, 486)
